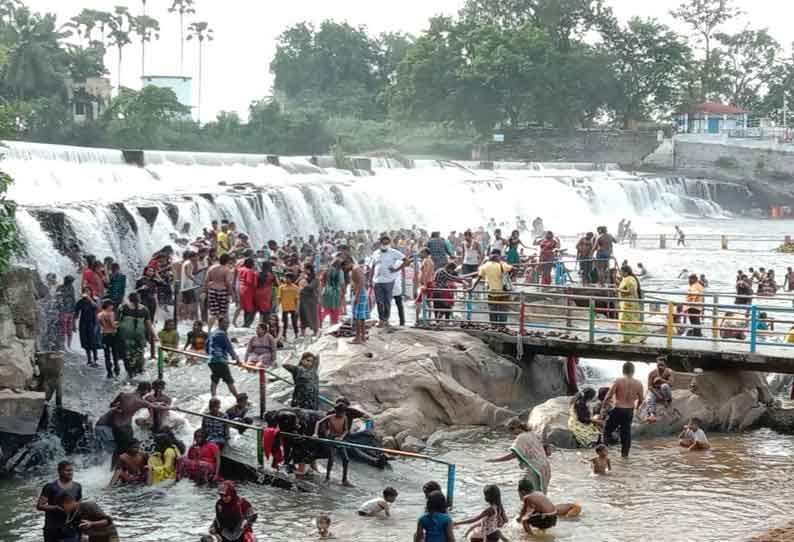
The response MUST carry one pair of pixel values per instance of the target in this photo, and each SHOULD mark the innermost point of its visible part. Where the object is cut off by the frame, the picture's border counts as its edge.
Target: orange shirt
(288, 293)
(695, 295)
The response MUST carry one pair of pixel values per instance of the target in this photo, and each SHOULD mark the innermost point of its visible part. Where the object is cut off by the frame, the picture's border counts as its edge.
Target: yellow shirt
(790, 336)
(223, 242)
(288, 293)
(492, 272)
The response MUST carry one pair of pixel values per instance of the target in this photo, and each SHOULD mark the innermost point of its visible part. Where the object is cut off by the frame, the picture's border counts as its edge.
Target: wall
(773, 162)
(556, 145)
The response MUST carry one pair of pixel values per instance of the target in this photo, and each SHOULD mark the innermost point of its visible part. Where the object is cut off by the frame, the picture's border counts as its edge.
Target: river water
(741, 487)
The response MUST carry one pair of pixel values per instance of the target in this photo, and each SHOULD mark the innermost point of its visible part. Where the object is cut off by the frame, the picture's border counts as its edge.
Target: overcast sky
(236, 64)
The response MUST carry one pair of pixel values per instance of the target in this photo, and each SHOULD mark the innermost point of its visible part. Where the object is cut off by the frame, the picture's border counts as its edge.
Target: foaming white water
(111, 208)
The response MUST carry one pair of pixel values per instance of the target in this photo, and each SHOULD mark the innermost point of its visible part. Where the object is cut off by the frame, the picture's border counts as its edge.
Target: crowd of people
(280, 289)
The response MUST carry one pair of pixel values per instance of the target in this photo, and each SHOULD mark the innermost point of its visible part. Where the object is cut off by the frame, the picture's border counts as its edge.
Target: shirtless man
(602, 251)
(427, 271)
(132, 467)
(360, 300)
(336, 428)
(114, 428)
(627, 393)
(218, 287)
(584, 253)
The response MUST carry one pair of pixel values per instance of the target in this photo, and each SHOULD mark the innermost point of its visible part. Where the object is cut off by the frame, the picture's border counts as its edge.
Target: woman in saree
(630, 317)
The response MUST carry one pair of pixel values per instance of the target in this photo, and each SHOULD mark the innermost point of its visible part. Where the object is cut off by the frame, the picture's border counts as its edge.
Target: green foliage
(10, 240)
(648, 62)
(135, 118)
(747, 61)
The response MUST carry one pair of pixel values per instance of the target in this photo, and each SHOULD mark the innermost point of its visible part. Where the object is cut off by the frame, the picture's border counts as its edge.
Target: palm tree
(182, 7)
(147, 28)
(201, 31)
(120, 25)
(36, 64)
(84, 23)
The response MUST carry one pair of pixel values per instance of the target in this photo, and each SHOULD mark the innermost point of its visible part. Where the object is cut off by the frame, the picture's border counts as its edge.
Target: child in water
(435, 524)
(196, 342)
(490, 520)
(262, 347)
(693, 437)
(335, 427)
(169, 337)
(537, 510)
(323, 523)
(374, 507)
(600, 462)
(107, 326)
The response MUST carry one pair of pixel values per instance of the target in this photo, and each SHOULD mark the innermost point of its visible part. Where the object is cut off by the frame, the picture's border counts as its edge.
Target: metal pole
(591, 326)
(521, 317)
(450, 485)
(416, 274)
(753, 328)
(262, 394)
(160, 363)
(669, 325)
(715, 313)
(260, 448)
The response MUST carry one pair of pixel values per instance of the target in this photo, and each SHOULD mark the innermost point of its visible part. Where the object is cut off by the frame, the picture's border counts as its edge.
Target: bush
(10, 242)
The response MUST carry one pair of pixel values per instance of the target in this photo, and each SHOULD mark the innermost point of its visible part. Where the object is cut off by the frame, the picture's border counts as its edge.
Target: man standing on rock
(627, 393)
(360, 300)
(386, 265)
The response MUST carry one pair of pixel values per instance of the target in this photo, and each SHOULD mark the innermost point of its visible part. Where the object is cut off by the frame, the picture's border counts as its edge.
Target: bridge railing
(715, 241)
(260, 451)
(603, 318)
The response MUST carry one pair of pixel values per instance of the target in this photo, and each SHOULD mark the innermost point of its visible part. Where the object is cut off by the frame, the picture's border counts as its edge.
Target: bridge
(584, 322)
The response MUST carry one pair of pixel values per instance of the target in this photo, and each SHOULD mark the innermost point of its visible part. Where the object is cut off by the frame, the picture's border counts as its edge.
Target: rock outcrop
(18, 326)
(721, 400)
(414, 382)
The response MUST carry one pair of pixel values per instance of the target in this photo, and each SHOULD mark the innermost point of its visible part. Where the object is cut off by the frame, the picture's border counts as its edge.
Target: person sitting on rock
(654, 396)
(585, 429)
(693, 437)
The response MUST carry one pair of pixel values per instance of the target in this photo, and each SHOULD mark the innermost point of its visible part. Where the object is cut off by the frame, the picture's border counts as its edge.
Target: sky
(236, 64)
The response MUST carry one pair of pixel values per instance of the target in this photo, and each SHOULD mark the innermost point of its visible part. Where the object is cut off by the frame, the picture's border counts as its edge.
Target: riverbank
(778, 534)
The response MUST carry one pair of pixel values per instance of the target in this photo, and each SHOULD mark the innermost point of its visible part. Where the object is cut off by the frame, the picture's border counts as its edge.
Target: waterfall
(92, 199)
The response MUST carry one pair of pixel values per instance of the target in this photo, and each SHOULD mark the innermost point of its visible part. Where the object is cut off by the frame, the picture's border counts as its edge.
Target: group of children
(436, 524)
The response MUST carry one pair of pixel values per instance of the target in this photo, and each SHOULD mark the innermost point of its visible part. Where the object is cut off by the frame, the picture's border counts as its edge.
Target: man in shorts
(220, 349)
(360, 301)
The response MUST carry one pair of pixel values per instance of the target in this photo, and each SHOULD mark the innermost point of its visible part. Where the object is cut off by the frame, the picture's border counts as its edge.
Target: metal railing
(260, 451)
(562, 316)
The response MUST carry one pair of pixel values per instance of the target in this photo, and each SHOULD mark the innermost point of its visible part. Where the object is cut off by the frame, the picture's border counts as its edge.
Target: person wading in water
(627, 392)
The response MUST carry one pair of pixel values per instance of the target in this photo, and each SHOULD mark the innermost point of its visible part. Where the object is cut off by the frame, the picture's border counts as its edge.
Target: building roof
(716, 108)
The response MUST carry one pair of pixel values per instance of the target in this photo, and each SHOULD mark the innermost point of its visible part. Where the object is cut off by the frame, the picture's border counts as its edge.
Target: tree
(147, 28)
(86, 62)
(36, 64)
(705, 16)
(182, 7)
(201, 31)
(332, 68)
(10, 239)
(120, 25)
(747, 61)
(647, 60)
(136, 117)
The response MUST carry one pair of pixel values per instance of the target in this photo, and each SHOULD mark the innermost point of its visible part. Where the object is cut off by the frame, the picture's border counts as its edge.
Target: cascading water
(93, 199)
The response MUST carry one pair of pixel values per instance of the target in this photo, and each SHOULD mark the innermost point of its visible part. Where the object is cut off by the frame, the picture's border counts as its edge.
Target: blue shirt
(219, 347)
(435, 527)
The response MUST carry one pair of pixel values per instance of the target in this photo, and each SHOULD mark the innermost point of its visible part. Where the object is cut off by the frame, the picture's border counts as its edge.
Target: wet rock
(389, 443)
(20, 411)
(19, 316)
(149, 214)
(173, 213)
(57, 227)
(464, 434)
(413, 444)
(721, 400)
(419, 381)
(549, 421)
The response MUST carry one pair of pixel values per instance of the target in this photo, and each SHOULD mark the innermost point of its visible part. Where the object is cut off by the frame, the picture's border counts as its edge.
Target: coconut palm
(36, 65)
(201, 32)
(120, 25)
(182, 7)
(147, 28)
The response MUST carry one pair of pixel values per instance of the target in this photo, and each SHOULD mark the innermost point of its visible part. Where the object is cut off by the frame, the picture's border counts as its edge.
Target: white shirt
(382, 262)
(471, 255)
(700, 437)
(374, 507)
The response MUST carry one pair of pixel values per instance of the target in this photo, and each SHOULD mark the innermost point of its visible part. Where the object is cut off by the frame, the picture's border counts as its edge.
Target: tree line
(495, 64)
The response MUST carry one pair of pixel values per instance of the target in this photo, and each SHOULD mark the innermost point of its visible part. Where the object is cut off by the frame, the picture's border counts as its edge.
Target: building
(182, 87)
(89, 98)
(711, 118)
